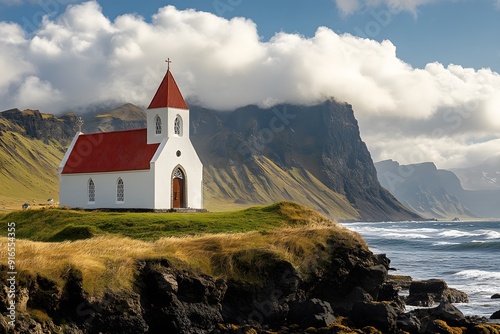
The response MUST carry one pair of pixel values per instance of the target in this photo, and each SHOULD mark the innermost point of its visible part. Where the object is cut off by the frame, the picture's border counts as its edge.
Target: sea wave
(445, 243)
(405, 235)
(457, 234)
(478, 275)
(490, 235)
(473, 245)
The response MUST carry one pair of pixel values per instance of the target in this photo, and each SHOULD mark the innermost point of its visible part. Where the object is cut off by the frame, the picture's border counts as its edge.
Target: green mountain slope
(28, 170)
(230, 187)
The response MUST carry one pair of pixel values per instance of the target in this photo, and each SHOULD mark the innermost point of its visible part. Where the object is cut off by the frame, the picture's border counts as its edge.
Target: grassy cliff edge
(105, 246)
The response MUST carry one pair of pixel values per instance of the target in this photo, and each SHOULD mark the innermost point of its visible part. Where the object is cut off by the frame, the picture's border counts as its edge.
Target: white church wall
(164, 165)
(167, 116)
(73, 190)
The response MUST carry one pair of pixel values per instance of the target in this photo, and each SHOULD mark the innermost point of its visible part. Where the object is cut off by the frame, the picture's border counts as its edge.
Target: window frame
(158, 125)
(120, 190)
(91, 191)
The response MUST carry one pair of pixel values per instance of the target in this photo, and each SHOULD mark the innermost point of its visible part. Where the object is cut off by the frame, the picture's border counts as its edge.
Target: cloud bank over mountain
(447, 114)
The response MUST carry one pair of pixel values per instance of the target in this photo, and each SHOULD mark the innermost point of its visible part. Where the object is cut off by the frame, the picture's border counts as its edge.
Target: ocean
(465, 254)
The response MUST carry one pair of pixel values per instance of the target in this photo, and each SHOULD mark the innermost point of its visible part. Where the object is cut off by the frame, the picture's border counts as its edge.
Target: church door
(178, 190)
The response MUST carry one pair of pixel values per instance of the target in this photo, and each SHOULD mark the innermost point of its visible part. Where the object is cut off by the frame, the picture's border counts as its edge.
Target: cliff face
(315, 148)
(36, 125)
(167, 299)
(436, 193)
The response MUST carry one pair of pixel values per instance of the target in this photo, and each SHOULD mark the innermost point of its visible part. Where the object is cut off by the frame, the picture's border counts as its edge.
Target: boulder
(380, 315)
(495, 315)
(177, 301)
(496, 296)
(445, 312)
(426, 293)
(409, 323)
(311, 313)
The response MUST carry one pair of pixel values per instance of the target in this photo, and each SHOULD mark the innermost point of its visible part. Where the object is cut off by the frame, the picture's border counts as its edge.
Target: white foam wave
(405, 235)
(457, 234)
(445, 243)
(478, 274)
(490, 235)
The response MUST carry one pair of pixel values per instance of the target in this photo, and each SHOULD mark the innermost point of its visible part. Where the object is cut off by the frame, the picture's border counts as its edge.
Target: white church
(155, 168)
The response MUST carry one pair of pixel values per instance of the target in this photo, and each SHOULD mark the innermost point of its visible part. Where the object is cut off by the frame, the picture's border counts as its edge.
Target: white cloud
(347, 7)
(83, 58)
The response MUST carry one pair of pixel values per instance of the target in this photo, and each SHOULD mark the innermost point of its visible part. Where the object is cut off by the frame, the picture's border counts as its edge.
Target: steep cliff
(436, 193)
(313, 155)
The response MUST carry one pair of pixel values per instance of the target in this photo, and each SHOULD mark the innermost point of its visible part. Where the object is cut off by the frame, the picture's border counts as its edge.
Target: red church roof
(110, 152)
(168, 94)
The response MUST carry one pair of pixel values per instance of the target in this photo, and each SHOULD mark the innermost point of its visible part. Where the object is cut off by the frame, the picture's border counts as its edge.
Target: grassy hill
(28, 170)
(54, 224)
(231, 244)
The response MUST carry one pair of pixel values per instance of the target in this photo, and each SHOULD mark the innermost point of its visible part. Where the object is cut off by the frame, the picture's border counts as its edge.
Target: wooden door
(178, 193)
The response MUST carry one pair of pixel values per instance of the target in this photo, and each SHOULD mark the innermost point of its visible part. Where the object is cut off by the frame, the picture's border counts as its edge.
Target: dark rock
(454, 296)
(118, 313)
(445, 312)
(382, 316)
(496, 296)
(44, 295)
(495, 315)
(408, 323)
(399, 281)
(426, 293)
(311, 313)
(450, 314)
(388, 293)
(257, 304)
(179, 302)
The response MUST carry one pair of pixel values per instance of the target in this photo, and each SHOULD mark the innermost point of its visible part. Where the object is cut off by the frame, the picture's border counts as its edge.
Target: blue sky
(464, 32)
(422, 75)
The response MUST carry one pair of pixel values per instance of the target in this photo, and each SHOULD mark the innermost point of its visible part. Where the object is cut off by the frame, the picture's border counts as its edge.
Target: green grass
(28, 170)
(54, 224)
(242, 245)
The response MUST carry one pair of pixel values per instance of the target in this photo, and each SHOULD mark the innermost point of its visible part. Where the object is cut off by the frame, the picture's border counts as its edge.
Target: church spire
(168, 94)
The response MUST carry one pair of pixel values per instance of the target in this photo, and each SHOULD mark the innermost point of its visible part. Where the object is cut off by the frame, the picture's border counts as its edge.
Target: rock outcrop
(349, 293)
(427, 293)
(310, 147)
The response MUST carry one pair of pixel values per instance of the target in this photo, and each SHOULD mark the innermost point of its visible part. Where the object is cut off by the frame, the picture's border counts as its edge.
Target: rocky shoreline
(351, 293)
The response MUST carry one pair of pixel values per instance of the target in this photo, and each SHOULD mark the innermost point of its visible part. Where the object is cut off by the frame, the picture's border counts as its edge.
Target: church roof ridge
(168, 94)
(113, 131)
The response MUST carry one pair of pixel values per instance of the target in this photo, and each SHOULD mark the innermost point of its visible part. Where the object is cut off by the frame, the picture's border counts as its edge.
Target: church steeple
(168, 94)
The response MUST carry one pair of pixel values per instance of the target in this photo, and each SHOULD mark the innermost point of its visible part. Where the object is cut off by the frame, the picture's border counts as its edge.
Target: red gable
(110, 152)
(168, 94)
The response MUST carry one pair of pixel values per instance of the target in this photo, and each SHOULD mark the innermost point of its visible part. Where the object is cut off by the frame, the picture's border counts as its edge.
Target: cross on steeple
(79, 123)
(168, 61)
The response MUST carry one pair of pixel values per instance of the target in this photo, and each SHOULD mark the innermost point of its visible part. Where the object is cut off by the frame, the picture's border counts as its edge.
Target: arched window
(91, 190)
(178, 126)
(158, 124)
(120, 190)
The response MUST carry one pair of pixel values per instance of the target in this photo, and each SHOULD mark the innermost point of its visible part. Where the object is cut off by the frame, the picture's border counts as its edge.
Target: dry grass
(109, 262)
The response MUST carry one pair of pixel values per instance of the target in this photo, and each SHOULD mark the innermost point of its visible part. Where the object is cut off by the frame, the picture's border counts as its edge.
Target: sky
(422, 75)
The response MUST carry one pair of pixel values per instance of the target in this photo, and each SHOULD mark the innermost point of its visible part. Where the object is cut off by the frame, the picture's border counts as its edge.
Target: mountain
(312, 155)
(423, 188)
(485, 176)
(31, 147)
(125, 117)
(436, 193)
